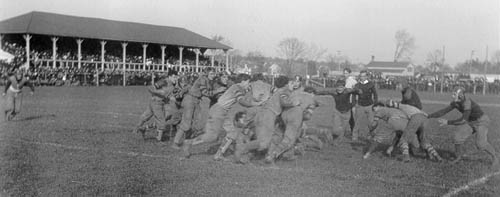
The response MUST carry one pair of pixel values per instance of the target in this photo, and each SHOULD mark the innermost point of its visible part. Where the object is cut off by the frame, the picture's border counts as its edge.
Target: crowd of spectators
(422, 83)
(62, 74)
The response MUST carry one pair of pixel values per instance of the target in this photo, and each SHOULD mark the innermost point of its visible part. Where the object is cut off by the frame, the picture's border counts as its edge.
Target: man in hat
(473, 121)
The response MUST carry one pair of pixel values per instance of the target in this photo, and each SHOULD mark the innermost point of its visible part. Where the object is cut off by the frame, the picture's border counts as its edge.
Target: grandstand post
(27, 37)
(1, 38)
(124, 59)
(144, 47)
(54, 51)
(163, 57)
(79, 43)
(103, 51)
(212, 58)
(197, 51)
(227, 59)
(180, 57)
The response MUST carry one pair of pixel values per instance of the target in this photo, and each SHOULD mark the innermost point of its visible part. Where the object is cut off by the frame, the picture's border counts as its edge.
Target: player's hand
(32, 93)
(442, 122)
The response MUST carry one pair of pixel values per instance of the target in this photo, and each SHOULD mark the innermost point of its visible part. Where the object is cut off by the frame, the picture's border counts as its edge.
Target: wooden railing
(119, 66)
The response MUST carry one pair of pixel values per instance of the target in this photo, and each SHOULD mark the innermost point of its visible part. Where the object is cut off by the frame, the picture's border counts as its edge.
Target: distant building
(391, 68)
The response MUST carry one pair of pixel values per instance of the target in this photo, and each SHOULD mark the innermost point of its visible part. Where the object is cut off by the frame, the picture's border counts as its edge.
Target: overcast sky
(356, 28)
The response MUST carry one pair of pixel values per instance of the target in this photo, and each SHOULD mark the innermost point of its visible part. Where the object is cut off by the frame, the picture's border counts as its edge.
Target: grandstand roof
(43, 23)
(379, 64)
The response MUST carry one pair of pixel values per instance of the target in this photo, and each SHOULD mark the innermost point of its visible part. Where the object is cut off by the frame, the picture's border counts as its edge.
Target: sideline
(471, 184)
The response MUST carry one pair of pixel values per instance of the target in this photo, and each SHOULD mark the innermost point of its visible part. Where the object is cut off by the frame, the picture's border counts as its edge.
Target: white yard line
(471, 184)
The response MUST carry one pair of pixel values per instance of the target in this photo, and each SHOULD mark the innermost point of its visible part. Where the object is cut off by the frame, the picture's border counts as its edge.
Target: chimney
(373, 58)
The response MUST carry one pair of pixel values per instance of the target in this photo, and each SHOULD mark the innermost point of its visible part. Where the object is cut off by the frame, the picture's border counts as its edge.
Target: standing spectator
(367, 96)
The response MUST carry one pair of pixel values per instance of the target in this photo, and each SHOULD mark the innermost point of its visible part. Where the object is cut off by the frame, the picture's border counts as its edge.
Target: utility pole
(485, 83)
(470, 64)
(442, 73)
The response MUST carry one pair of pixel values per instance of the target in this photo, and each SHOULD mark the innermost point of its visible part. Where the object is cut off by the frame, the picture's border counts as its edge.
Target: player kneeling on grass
(472, 121)
(395, 120)
(415, 131)
(237, 133)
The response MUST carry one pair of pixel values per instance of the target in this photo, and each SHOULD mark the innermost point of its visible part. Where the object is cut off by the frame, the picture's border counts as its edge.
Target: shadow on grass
(35, 117)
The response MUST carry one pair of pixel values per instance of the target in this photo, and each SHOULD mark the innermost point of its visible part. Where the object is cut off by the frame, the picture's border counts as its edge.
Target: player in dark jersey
(473, 121)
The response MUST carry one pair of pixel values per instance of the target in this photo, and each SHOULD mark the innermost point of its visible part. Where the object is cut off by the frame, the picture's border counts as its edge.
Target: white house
(392, 68)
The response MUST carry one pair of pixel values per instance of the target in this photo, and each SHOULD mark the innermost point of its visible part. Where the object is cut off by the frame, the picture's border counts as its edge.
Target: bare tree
(219, 55)
(435, 60)
(338, 61)
(495, 58)
(315, 52)
(291, 49)
(405, 44)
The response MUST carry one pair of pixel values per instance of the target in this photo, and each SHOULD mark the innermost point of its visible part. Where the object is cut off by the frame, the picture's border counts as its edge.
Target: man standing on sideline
(472, 121)
(367, 96)
(13, 88)
(350, 83)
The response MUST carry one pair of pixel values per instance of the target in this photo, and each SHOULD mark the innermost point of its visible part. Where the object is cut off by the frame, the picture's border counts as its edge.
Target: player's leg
(461, 134)
(293, 119)
(264, 131)
(425, 142)
(213, 129)
(358, 121)
(158, 108)
(9, 104)
(188, 106)
(145, 117)
(481, 128)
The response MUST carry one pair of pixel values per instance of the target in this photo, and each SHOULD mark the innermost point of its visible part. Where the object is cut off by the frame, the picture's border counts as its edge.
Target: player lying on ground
(473, 121)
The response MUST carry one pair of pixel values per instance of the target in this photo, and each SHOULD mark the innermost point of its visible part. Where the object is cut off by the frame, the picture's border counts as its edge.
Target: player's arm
(156, 92)
(374, 93)
(465, 116)
(7, 87)
(441, 112)
(286, 101)
(407, 94)
(30, 85)
(373, 125)
(327, 92)
(205, 88)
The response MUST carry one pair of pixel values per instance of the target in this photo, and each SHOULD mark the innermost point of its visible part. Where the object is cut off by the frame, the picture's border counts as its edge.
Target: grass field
(76, 141)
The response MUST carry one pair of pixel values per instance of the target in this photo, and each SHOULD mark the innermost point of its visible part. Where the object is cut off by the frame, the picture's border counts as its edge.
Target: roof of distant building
(387, 64)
